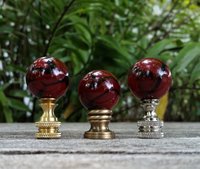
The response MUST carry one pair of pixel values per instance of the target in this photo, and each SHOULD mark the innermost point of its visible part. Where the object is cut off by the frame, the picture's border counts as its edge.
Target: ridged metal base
(47, 135)
(99, 135)
(99, 120)
(48, 130)
(48, 126)
(150, 135)
(150, 127)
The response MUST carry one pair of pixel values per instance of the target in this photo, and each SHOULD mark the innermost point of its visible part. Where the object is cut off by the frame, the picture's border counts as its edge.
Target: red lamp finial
(99, 92)
(99, 89)
(149, 79)
(48, 79)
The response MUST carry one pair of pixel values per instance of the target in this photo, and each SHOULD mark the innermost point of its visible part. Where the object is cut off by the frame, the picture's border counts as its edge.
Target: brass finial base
(99, 120)
(150, 126)
(48, 126)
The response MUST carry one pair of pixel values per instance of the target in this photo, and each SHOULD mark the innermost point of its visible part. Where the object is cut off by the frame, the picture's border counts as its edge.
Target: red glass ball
(99, 89)
(149, 78)
(47, 77)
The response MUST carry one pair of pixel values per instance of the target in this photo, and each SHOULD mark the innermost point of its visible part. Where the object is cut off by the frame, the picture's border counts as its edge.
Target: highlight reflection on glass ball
(99, 89)
(47, 77)
(149, 78)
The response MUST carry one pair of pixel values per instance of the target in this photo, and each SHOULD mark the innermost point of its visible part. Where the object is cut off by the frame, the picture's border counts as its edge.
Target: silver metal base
(150, 127)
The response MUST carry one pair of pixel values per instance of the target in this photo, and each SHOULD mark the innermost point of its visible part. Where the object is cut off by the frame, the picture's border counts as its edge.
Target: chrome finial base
(48, 126)
(150, 127)
(99, 120)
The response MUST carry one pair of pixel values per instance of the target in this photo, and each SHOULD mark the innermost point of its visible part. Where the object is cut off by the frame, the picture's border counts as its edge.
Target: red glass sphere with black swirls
(47, 77)
(99, 89)
(149, 78)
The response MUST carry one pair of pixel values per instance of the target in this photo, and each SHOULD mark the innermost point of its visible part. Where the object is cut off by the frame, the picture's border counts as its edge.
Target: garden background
(100, 34)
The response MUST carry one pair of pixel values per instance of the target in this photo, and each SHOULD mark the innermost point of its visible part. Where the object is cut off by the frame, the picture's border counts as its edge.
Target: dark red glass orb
(47, 77)
(99, 89)
(149, 78)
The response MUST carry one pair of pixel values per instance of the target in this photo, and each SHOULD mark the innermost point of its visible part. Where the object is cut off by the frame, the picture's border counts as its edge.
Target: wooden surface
(179, 149)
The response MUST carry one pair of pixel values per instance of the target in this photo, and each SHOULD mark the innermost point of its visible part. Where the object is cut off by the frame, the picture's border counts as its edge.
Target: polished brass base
(99, 135)
(48, 126)
(48, 130)
(99, 120)
(150, 127)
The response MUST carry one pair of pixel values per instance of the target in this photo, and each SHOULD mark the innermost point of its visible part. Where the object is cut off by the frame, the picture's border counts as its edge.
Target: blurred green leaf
(18, 105)
(111, 43)
(3, 99)
(8, 114)
(189, 53)
(18, 93)
(195, 75)
(6, 29)
(78, 42)
(17, 68)
(164, 45)
(6, 110)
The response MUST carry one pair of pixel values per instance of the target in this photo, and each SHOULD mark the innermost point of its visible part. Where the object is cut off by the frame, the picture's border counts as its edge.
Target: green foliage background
(99, 34)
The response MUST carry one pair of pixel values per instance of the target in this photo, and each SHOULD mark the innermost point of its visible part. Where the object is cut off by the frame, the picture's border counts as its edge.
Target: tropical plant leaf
(188, 54)
(164, 45)
(18, 105)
